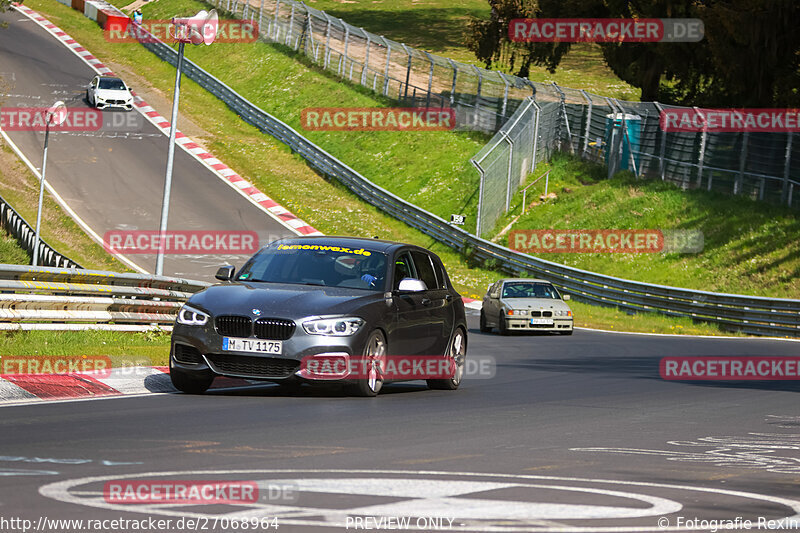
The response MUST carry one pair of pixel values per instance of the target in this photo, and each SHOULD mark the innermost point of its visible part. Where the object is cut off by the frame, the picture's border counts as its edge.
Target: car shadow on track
(270, 390)
(640, 368)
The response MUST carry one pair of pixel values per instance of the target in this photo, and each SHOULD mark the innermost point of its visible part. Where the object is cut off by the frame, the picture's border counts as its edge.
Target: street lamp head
(199, 29)
(56, 115)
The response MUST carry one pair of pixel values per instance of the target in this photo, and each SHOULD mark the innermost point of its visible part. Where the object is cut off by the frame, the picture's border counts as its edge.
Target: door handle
(426, 301)
(448, 297)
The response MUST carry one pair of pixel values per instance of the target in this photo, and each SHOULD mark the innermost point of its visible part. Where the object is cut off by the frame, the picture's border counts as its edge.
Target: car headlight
(189, 316)
(337, 327)
(517, 312)
(563, 312)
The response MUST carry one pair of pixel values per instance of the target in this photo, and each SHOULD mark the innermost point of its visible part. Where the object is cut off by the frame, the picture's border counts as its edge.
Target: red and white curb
(220, 169)
(16, 389)
(469, 303)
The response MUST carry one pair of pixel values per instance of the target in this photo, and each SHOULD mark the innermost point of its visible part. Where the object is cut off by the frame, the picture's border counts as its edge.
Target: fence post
(277, 11)
(737, 185)
(480, 197)
(366, 60)
(386, 71)
(535, 132)
(702, 155)
(563, 113)
(327, 42)
(430, 80)
(244, 9)
(408, 70)
(587, 129)
(505, 95)
(260, 15)
(510, 166)
(453, 88)
(478, 95)
(290, 31)
(343, 67)
(787, 163)
(662, 155)
(627, 138)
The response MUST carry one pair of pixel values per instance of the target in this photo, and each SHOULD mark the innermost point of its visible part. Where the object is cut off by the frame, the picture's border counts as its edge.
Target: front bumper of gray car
(200, 349)
(526, 323)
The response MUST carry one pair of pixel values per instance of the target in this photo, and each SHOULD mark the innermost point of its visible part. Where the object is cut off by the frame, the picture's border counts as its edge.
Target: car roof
(110, 78)
(378, 245)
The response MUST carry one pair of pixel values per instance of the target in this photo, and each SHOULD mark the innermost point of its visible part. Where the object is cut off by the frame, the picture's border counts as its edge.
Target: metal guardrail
(747, 314)
(33, 298)
(18, 227)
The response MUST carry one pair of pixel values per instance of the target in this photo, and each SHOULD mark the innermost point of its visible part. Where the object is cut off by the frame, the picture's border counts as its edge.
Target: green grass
(272, 167)
(125, 349)
(750, 247)
(20, 188)
(438, 26)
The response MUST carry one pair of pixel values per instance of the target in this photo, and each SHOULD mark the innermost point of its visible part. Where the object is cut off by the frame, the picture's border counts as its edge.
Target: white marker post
(52, 117)
(200, 29)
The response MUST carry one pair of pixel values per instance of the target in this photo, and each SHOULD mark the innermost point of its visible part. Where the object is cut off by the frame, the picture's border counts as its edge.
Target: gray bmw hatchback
(361, 312)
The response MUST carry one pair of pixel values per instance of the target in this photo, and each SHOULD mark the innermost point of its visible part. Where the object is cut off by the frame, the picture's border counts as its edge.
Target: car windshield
(527, 289)
(113, 84)
(317, 264)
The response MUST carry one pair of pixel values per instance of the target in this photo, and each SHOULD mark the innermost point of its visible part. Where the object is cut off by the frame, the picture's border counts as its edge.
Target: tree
(750, 56)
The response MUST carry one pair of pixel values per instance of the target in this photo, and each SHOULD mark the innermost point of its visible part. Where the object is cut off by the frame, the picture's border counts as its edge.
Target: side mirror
(412, 285)
(494, 295)
(566, 297)
(225, 273)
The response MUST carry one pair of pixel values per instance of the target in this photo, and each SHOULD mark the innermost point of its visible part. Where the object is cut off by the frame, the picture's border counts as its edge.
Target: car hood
(533, 303)
(282, 300)
(113, 94)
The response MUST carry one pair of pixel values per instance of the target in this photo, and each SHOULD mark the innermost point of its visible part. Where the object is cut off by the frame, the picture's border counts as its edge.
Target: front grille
(234, 326)
(547, 313)
(245, 365)
(537, 314)
(188, 355)
(276, 329)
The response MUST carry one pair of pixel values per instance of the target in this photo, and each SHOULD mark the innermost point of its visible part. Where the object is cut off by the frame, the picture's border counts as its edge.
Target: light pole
(200, 29)
(53, 116)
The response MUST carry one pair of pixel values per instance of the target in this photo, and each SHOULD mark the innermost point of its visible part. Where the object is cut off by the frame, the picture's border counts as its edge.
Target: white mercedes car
(107, 91)
(525, 305)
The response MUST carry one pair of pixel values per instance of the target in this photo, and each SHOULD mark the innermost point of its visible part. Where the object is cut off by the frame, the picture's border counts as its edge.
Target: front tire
(502, 325)
(457, 352)
(483, 326)
(191, 382)
(371, 384)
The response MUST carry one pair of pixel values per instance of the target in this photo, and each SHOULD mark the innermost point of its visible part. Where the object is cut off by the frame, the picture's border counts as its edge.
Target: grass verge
(750, 247)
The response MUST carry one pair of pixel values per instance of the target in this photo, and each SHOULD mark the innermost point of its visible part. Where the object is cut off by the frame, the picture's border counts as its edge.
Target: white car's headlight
(337, 327)
(189, 316)
(517, 312)
(563, 312)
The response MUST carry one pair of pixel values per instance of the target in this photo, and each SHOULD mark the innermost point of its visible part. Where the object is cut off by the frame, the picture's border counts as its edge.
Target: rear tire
(370, 385)
(483, 326)
(457, 352)
(191, 382)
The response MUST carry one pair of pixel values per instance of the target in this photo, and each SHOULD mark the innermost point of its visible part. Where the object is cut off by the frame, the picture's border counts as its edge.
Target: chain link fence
(531, 119)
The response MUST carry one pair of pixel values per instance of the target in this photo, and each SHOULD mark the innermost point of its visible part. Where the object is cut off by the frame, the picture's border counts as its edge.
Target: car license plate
(251, 345)
(541, 321)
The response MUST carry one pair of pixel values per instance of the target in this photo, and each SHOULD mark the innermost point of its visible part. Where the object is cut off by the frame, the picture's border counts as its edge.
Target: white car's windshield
(112, 84)
(526, 289)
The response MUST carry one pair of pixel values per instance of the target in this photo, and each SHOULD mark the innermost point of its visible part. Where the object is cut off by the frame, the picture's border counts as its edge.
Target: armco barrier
(13, 223)
(34, 297)
(748, 314)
